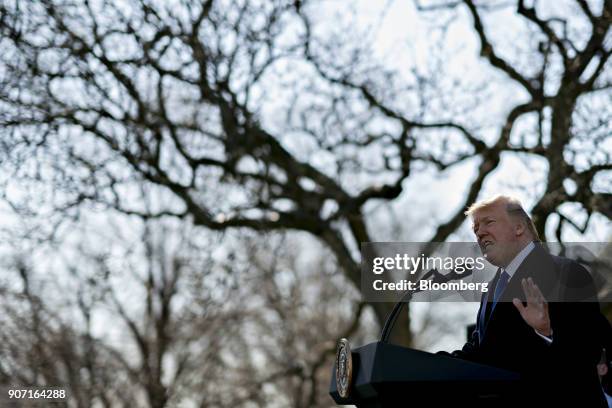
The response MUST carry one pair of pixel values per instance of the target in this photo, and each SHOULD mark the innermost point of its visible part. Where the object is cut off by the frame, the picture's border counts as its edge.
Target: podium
(387, 375)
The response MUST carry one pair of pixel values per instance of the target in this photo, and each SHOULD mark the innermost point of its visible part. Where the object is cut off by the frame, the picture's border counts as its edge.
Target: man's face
(496, 234)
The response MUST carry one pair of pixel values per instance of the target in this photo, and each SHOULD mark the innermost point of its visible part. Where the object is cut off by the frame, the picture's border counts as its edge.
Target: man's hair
(513, 208)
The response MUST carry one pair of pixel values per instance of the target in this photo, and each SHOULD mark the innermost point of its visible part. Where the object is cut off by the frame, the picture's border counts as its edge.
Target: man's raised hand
(535, 313)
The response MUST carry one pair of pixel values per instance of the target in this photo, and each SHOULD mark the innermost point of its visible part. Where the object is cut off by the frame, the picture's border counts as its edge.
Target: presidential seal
(344, 368)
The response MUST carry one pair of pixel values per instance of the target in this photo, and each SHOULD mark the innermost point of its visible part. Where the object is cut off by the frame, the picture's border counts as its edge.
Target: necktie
(501, 284)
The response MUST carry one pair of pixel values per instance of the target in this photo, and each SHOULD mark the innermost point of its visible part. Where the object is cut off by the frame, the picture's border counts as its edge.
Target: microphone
(436, 277)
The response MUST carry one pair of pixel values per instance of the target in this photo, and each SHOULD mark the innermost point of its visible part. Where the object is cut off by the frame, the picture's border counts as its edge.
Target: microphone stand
(407, 297)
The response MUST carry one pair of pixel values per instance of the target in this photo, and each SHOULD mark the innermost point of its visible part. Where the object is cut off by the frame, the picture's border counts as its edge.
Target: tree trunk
(401, 333)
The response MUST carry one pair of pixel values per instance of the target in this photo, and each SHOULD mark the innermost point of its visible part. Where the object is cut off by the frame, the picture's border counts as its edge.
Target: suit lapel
(539, 266)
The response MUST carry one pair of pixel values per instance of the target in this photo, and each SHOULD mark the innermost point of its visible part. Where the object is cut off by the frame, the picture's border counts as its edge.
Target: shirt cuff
(547, 339)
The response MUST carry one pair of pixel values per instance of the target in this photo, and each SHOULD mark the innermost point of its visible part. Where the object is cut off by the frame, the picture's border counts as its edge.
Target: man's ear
(519, 228)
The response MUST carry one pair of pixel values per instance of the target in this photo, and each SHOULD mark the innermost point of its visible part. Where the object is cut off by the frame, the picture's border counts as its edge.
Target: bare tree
(305, 307)
(114, 337)
(166, 322)
(99, 97)
(40, 348)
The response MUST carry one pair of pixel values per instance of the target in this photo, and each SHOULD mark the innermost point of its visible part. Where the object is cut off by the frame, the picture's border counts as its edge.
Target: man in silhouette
(540, 317)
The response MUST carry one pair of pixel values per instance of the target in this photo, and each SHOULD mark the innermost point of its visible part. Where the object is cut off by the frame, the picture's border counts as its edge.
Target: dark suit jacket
(606, 343)
(563, 372)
